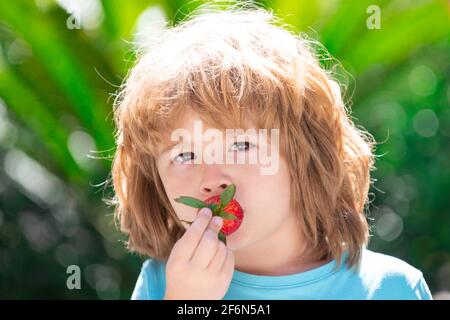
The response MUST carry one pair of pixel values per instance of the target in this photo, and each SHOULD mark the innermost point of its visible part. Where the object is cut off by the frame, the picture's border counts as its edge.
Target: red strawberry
(222, 205)
(233, 208)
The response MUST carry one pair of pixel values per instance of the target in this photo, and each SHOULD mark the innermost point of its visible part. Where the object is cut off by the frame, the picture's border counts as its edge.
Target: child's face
(264, 198)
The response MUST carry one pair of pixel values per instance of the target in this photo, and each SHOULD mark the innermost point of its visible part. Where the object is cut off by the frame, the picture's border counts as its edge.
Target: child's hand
(200, 266)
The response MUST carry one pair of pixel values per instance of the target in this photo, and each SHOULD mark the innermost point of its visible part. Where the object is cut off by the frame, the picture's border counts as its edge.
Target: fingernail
(217, 221)
(206, 212)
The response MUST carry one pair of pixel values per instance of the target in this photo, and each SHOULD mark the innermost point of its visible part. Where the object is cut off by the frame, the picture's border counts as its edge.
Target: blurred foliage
(62, 61)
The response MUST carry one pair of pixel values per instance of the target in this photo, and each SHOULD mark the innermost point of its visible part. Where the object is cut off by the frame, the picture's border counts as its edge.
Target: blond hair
(232, 67)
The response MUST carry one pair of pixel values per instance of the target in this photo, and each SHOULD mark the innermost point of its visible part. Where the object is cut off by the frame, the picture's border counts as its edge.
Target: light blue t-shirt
(379, 276)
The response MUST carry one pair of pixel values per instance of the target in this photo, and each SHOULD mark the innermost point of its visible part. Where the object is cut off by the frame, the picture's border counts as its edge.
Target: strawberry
(233, 208)
(222, 205)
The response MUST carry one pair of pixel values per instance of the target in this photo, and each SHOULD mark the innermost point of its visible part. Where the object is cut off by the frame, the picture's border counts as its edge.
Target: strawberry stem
(214, 208)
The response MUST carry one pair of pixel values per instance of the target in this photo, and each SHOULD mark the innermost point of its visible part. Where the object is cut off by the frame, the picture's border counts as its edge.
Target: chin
(237, 240)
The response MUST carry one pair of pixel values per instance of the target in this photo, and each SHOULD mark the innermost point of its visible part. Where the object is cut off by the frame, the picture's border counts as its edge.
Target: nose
(214, 182)
(213, 190)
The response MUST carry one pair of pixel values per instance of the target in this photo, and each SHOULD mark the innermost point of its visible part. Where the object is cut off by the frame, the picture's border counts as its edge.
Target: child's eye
(184, 156)
(242, 145)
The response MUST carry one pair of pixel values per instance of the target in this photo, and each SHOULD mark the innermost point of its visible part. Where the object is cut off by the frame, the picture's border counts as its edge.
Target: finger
(191, 238)
(228, 266)
(208, 244)
(215, 223)
(219, 258)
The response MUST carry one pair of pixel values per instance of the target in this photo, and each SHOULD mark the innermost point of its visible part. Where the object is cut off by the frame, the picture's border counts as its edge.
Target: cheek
(274, 187)
(266, 197)
(271, 200)
(182, 211)
(174, 177)
(179, 181)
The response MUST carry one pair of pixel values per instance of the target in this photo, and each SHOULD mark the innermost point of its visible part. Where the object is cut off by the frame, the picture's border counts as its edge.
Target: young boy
(304, 233)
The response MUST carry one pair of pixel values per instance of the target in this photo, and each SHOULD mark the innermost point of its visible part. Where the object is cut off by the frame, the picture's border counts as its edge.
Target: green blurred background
(62, 61)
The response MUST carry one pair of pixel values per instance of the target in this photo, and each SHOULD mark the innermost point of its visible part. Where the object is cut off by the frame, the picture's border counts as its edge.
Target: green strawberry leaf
(227, 195)
(191, 202)
(222, 237)
(229, 216)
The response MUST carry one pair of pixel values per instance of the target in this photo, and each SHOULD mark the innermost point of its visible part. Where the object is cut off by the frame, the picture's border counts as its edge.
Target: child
(304, 232)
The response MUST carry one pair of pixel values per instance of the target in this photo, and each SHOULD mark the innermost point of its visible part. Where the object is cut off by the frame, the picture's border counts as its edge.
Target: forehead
(188, 118)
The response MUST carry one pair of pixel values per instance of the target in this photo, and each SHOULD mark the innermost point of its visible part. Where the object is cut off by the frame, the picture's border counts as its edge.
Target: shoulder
(153, 267)
(151, 281)
(387, 277)
(378, 265)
